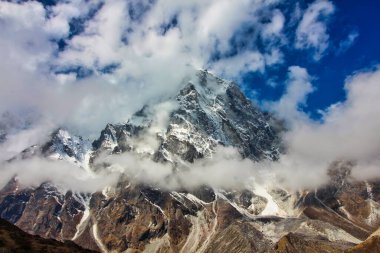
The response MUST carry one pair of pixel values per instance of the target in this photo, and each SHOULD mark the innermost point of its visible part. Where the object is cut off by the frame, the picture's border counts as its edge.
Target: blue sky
(330, 72)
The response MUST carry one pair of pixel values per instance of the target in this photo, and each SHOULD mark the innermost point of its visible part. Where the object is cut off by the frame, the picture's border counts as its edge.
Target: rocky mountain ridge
(134, 217)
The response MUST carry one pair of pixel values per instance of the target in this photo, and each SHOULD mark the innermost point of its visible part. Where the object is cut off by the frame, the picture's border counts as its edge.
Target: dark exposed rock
(13, 239)
(13, 205)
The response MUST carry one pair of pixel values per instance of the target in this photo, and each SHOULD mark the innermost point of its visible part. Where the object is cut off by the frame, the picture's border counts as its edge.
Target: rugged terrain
(137, 217)
(13, 239)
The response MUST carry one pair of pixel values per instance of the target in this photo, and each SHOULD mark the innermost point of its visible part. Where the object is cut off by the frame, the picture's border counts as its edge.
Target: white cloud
(348, 132)
(298, 87)
(27, 14)
(345, 44)
(23, 43)
(58, 23)
(66, 176)
(274, 28)
(248, 61)
(311, 32)
(225, 169)
(98, 44)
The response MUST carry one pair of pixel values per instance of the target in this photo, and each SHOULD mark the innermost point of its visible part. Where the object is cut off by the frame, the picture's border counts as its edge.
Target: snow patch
(271, 208)
(157, 206)
(82, 224)
(98, 241)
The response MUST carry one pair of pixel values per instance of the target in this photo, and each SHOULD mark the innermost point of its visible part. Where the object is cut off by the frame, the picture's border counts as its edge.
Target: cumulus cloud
(238, 64)
(275, 26)
(66, 176)
(298, 87)
(347, 132)
(225, 169)
(311, 32)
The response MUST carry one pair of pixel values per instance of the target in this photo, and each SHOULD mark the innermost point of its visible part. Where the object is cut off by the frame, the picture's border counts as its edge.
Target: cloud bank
(346, 132)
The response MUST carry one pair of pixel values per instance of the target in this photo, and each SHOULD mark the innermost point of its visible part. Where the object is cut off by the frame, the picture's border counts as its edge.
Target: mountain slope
(206, 113)
(13, 239)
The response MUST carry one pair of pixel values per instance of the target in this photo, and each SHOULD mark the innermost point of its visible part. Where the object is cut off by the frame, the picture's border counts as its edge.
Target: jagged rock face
(207, 117)
(133, 217)
(13, 202)
(44, 211)
(115, 137)
(210, 111)
(64, 146)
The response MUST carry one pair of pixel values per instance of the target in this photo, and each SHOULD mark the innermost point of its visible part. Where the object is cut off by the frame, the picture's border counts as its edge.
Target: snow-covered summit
(207, 111)
(68, 147)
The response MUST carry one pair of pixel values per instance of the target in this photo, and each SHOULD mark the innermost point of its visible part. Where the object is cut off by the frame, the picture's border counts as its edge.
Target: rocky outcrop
(13, 239)
(370, 245)
(298, 243)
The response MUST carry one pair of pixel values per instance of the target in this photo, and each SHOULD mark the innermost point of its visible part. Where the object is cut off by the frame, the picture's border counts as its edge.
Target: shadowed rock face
(141, 218)
(13, 239)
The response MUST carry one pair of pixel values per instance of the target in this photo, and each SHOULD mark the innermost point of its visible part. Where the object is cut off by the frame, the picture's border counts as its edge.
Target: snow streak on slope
(374, 215)
(98, 240)
(204, 223)
(271, 207)
(81, 226)
(213, 228)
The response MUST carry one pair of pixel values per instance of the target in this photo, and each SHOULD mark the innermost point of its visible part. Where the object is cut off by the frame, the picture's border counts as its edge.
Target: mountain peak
(206, 112)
